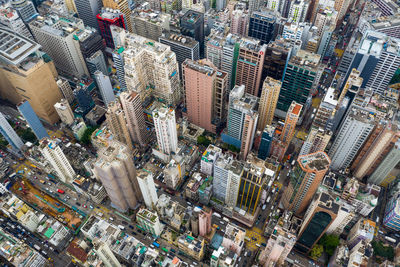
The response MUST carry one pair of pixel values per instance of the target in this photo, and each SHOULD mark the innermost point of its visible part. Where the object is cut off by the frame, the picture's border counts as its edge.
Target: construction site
(47, 204)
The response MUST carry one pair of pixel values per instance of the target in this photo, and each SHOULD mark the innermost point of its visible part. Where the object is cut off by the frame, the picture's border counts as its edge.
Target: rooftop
(317, 161)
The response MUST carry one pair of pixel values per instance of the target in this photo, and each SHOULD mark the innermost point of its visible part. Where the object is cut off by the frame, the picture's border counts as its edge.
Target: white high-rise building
(274, 5)
(66, 89)
(57, 159)
(147, 187)
(298, 11)
(165, 127)
(64, 111)
(9, 134)
(10, 19)
(105, 87)
(57, 36)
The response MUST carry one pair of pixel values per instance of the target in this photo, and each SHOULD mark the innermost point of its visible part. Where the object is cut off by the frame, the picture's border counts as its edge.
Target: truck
(36, 247)
(225, 219)
(269, 183)
(390, 239)
(216, 214)
(121, 227)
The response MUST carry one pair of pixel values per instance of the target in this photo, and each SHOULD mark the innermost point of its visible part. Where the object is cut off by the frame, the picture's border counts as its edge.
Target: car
(83, 205)
(91, 207)
(34, 177)
(78, 204)
(47, 188)
(111, 219)
(254, 239)
(49, 183)
(130, 226)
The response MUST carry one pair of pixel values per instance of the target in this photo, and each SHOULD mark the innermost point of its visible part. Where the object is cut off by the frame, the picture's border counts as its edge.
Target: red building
(106, 18)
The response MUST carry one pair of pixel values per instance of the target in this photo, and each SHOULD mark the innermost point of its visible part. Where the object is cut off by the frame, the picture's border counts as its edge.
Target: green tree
(383, 251)
(316, 251)
(233, 148)
(202, 140)
(329, 242)
(87, 135)
(27, 134)
(3, 142)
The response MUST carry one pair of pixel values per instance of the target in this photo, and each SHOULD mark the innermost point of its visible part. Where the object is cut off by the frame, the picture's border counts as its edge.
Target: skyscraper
(277, 57)
(24, 74)
(292, 116)
(388, 164)
(57, 159)
(392, 214)
(123, 6)
(239, 22)
(250, 65)
(10, 19)
(116, 122)
(115, 169)
(26, 10)
(57, 37)
(205, 221)
(84, 99)
(263, 25)
(266, 141)
(298, 11)
(192, 24)
(88, 10)
(64, 111)
(268, 100)
(205, 94)
(66, 89)
(118, 59)
(32, 119)
(150, 24)
(147, 187)
(105, 19)
(105, 87)
(305, 178)
(9, 134)
(134, 116)
(319, 216)
(165, 127)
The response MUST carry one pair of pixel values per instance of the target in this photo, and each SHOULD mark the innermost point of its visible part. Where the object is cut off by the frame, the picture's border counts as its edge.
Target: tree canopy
(316, 251)
(329, 242)
(202, 140)
(380, 250)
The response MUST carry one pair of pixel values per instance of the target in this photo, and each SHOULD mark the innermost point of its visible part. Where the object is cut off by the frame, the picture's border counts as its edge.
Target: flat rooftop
(317, 161)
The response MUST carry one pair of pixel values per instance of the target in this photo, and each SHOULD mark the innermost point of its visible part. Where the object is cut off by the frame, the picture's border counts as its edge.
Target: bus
(166, 250)
(156, 244)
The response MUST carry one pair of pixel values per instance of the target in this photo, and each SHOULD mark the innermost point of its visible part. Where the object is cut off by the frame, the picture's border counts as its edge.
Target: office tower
(352, 85)
(205, 221)
(378, 144)
(87, 11)
(250, 188)
(84, 99)
(292, 116)
(123, 6)
(151, 69)
(105, 19)
(150, 24)
(227, 173)
(96, 62)
(192, 25)
(300, 78)
(391, 219)
(263, 25)
(388, 164)
(64, 110)
(298, 11)
(277, 56)
(275, 5)
(26, 10)
(317, 140)
(114, 167)
(268, 100)
(184, 48)
(319, 216)
(280, 243)
(305, 178)
(134, 117)
(250, 65)
(116, 122)
(65, 89)
(363, 230)
(205, 94)
(32, 119)
(242, 120)
(239, 22)
(9, 134)
(105, 87)
(147, 187)
(118, 59)
(266, 141)
(90, 42)
(350, 137)
(10, 19)
(165, 127)
(24, 74)
(57, 159)
(57, 37)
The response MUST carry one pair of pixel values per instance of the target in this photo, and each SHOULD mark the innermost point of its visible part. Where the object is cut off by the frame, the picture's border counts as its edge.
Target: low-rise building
(149, 221)
(192, 247)
(234, 238)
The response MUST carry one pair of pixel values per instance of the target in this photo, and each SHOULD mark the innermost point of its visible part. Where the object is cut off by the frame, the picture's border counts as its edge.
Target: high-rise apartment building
(388, 164)
(268, 100)
(351, 87)
(149, 23)
(205, 94)
(250, 65)
(118, 59)
(87, 11)
(64, 110)
(392, 214)
(242, 120)
(165, 127)
(57, 37)
(239, 22)
(205, 221)
(305, 178)
(192, 24)
(115, 169)
(26, 10)
(105, 87)
(25, 75)
(151, 69)
(105, 19)
(10, 19)
(65, 89)
(134, 117)
(319, 216)
(57, 159)
(263, 25)
(277, 57)
(275, 5)
(300, 78)
(116, 122)
(298, 11)
(123, 6)
(147, 187)
(9, 134)
(292, 116)
(32, 119)
(341, 7)
(209, 158)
